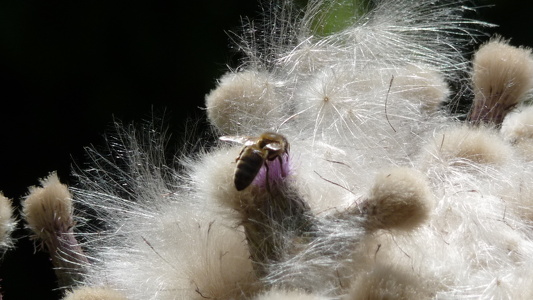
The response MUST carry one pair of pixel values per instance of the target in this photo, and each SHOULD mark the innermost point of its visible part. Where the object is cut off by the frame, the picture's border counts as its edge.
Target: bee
(256, 152)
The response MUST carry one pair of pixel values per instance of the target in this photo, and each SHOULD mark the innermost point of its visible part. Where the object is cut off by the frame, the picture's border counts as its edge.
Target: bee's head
(276, 144)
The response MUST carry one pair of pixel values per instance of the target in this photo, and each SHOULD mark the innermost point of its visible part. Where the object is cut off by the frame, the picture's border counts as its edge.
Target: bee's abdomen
(247, 168)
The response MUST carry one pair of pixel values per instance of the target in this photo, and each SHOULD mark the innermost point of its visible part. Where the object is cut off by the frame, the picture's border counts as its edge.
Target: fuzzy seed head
(387, 283)
(7, 222)
(243, 103)
(518, 126)
(400, 199)
(222, 271)
(517, 129)
(520, 201)
(93, 293)
(501, 75)
(422, 84)
(328, 102)
(464, 145)
(48, 209)
(216, 177)
(288, 295)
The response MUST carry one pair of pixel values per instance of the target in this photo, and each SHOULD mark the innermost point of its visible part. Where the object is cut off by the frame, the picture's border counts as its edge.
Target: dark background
(67, 68)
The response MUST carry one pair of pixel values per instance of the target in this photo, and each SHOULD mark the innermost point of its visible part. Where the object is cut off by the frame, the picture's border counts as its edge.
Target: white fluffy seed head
(328, 104)
(463, 145)
(384, 282)
(7, 222)
(518, 126)
(186, 251)
(520, 200)
(400, 199)
(504, 70)
(422, 85)
(517, 129)
(243, 103)
(501, 75)
(214, 177)
(48, 209)
(218, 265)
(377, 109)
(93, 293)
(277, 294)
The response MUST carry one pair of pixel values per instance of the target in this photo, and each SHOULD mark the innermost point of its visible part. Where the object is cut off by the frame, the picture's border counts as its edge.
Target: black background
(67, 68)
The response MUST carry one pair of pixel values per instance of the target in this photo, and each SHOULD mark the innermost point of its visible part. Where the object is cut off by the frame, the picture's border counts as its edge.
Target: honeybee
(255, 154)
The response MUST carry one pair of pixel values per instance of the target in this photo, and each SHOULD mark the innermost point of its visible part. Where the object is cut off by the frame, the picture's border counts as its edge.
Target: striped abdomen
(248, 165)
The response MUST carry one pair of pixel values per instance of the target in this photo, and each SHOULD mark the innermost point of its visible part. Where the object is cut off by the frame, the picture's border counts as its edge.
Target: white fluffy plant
(8, 224)
(381, 194)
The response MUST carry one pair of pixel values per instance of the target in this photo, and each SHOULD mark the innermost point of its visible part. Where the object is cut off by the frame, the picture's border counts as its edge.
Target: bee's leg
(282, 171)
(267, 181)
(240, 154)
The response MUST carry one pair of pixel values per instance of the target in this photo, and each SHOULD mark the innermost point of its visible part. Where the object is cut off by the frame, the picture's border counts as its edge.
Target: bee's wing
(244, 140)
